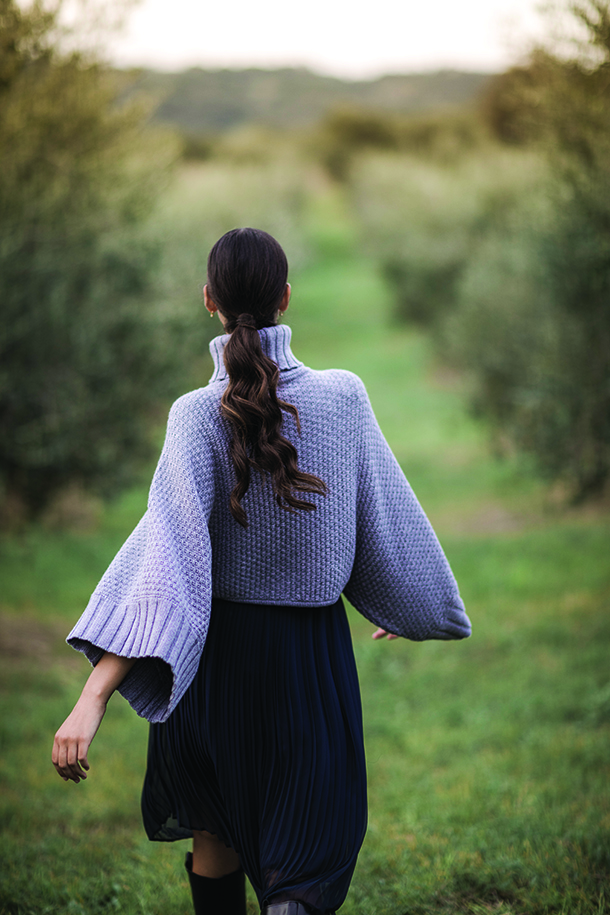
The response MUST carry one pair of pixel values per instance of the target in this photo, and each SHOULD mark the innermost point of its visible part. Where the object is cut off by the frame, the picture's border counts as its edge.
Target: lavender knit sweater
(369, 537)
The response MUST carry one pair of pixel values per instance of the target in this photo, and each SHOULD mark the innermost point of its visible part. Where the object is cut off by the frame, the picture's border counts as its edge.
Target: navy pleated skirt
(265, 750)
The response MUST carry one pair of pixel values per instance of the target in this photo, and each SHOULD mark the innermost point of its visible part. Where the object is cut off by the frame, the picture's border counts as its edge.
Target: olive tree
(533, 321)
(84, 353)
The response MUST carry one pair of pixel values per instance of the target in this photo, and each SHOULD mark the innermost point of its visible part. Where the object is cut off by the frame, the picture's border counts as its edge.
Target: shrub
(422, 221)
(531, 324)
(348, 133)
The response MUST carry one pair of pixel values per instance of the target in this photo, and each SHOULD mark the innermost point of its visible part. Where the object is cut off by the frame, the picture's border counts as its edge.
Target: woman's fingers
(381, 633)
(73, 758)
(70, 758)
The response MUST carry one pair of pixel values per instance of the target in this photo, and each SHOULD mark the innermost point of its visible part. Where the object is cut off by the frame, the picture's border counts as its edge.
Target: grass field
(488, 759)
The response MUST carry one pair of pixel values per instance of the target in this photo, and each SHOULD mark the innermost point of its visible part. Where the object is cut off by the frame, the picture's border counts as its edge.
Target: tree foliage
(82, 356)
(505, 251)
(549, 386)
(345, 134)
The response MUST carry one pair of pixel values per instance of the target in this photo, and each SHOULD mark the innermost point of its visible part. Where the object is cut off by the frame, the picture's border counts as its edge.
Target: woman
(221, 619)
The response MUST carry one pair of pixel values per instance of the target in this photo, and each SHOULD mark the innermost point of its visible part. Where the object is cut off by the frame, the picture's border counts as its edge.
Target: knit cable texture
(369, 538)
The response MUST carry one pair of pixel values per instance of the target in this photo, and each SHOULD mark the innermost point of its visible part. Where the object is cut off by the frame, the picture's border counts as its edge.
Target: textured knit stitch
(368, 538)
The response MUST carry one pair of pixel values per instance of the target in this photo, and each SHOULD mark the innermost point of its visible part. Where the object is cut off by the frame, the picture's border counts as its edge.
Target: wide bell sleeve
(400, 579)
(153, 603)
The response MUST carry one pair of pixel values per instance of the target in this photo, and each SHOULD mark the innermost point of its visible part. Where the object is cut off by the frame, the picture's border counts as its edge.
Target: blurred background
(440, 180)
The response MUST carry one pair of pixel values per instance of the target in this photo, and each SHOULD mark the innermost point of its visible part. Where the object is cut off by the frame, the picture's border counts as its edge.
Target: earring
(212, 313)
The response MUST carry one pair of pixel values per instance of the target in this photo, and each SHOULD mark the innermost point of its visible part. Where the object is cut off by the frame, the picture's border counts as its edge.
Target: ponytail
(248, 267)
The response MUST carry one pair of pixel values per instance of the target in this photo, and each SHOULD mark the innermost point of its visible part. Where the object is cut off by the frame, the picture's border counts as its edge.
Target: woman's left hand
(381, 633)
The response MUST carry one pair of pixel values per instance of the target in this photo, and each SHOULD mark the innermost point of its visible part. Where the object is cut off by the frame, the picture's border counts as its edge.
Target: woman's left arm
(400, 580)
(382, 633)
(73, 739)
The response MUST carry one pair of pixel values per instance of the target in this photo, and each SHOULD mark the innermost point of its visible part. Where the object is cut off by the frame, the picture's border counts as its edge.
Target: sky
(347, 38)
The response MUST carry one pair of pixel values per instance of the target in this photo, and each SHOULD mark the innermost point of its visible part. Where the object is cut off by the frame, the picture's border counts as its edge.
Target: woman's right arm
(72, 741)
(153, 602)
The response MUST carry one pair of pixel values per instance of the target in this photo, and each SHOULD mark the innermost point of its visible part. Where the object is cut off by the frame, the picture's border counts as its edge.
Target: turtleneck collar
(275, 343)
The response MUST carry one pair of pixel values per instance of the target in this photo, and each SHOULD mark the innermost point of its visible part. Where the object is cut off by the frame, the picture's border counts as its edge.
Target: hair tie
(246, 320)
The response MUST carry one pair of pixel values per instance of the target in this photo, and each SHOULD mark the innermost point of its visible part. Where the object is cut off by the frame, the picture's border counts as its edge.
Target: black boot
(217, 895)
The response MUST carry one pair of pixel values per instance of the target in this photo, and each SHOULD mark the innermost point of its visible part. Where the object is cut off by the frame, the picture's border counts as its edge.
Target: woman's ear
(209, 304)
(285, 298)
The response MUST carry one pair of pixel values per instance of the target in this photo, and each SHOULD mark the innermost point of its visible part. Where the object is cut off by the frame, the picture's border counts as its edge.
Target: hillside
(200, 101)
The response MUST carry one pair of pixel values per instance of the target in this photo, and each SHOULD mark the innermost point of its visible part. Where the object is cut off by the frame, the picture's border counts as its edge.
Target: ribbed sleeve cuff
(456, 625)
(155, 632)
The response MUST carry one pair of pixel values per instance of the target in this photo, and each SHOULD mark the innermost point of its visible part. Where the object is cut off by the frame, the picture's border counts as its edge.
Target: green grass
(487, 759)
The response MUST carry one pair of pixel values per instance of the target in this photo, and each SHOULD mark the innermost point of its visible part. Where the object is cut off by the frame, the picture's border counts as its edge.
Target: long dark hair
(247, 273)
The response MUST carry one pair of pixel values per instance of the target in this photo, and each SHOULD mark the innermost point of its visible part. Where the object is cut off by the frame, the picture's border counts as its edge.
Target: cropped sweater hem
(454, 625)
